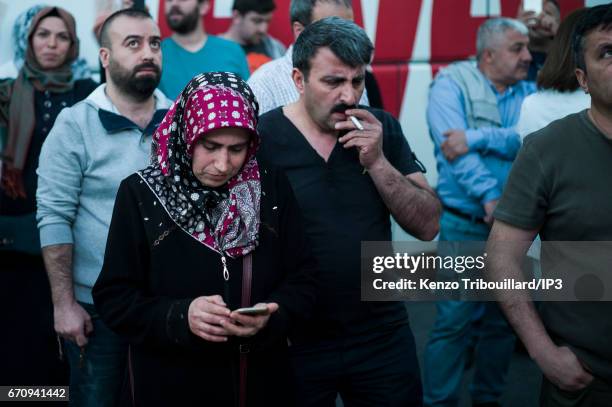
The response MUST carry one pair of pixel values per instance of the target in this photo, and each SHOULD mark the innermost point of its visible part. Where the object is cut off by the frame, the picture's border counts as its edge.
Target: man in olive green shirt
(559, 187)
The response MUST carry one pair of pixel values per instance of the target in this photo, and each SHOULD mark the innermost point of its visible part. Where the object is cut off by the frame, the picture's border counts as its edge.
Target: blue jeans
(447, 350)
(97, 376)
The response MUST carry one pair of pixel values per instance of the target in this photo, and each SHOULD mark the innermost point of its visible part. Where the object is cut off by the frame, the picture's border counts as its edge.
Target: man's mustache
(147, 65)
(341, 108)
(175, 11)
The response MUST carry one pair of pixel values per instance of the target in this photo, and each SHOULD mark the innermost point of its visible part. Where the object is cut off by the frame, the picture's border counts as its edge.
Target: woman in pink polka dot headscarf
(205, 230)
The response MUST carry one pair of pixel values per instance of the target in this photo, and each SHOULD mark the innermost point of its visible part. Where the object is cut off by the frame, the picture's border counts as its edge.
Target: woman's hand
(206, 318)
(248, 325)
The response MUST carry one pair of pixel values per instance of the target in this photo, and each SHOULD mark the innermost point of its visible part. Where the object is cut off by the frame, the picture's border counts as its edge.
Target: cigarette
(357, 123)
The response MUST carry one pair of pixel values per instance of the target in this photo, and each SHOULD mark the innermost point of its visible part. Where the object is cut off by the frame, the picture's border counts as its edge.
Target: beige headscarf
(17, 101)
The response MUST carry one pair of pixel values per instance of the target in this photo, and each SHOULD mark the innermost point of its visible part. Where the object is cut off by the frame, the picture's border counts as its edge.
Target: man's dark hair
(257, 6)
(598, 17)
(128, 12)
(345, 39)
(301, 10)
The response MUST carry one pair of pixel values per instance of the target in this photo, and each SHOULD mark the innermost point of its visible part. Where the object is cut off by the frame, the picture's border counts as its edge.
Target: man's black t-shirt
(341, 208)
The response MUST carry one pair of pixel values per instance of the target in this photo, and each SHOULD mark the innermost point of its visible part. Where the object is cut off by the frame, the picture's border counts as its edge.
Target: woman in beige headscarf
(29, 106)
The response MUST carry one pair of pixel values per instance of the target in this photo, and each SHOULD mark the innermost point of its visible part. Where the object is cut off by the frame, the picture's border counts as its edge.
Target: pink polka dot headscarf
(225, 219)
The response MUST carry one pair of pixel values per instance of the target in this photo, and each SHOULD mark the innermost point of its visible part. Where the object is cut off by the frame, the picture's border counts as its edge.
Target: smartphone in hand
(257, 310)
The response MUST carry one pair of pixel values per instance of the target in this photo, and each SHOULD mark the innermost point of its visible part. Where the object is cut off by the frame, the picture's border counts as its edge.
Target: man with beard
(249, 28)
(542, 30)
(190, 50)
(349, 177)
(92, 147)
(559, 188)
(471, 115)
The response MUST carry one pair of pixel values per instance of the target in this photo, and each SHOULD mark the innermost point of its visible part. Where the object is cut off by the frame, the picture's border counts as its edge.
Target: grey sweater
(89, 151)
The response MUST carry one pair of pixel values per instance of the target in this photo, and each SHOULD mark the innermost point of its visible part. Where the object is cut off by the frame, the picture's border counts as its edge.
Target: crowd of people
(188, 231)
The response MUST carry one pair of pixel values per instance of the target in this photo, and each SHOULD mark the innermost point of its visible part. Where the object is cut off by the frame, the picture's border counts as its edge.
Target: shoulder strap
(247, 278)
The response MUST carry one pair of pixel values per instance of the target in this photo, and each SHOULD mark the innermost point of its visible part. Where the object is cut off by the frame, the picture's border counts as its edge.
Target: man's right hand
(561, 366)
(455, 144)
(72, 322)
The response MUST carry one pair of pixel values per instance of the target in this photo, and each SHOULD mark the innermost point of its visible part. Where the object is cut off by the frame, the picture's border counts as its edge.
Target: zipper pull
(225, 270)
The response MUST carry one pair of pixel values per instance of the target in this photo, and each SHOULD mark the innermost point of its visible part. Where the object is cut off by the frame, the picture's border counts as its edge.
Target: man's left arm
(502, 141)
(411, 201)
